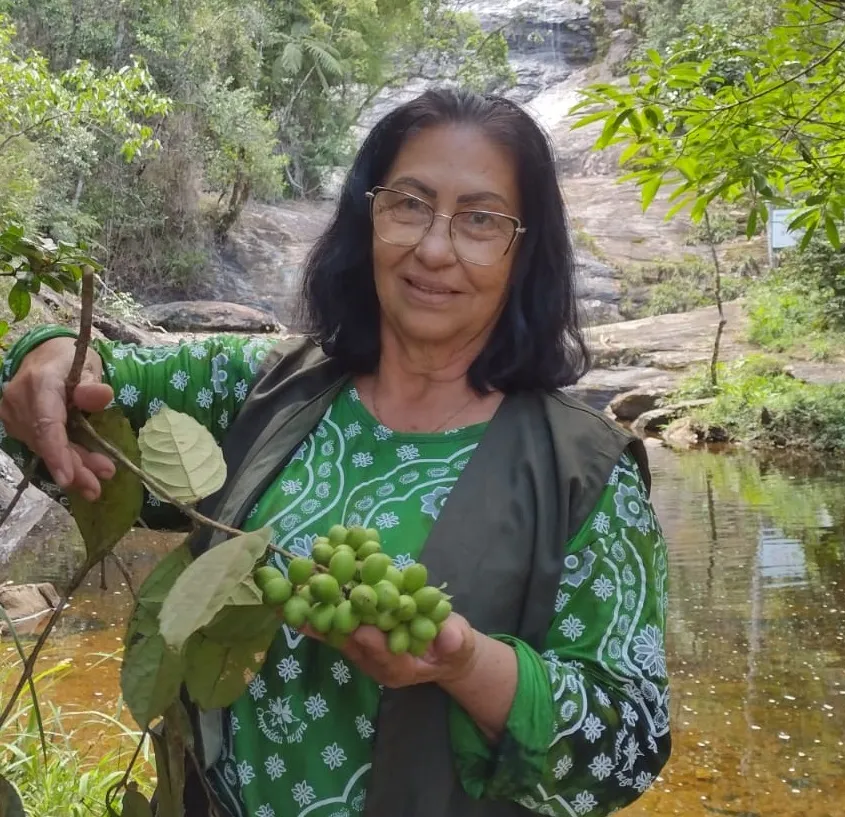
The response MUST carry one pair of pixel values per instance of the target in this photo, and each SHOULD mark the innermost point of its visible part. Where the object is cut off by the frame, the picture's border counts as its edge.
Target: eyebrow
(467, 198)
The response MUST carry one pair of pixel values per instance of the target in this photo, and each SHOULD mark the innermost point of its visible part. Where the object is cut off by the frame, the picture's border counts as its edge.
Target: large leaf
(10, 800)
(151, 595)
(135, 804)
(105, 522)
(236, 622)
(216, 675)
(207, 584)
(181, 456)
(150, 678)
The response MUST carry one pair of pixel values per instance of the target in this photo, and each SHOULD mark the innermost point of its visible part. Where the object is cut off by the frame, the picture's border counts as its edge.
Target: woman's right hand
(34, 410)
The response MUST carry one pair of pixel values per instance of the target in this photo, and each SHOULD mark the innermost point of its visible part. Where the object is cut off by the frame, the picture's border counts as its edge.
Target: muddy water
(756, 638)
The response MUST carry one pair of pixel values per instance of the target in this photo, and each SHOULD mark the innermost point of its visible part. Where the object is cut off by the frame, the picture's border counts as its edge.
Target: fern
(291, 59)
(325, 57)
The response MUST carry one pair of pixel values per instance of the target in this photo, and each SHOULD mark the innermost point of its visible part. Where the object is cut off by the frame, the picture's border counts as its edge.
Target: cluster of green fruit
(347, 582)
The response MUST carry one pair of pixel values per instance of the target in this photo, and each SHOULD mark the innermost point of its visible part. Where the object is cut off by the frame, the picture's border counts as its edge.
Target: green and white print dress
(589, 726)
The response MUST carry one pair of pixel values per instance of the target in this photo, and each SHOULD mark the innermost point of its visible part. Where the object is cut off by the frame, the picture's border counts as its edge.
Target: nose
(436, 249)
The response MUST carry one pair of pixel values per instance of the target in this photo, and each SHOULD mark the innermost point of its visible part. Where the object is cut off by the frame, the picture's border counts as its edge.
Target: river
(756, 640)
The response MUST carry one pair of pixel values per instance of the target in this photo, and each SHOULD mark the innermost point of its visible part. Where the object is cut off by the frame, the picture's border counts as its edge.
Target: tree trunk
(239, 197)
(717, 275)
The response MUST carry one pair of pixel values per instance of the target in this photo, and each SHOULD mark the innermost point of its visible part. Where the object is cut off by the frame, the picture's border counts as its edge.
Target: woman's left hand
(450, 657)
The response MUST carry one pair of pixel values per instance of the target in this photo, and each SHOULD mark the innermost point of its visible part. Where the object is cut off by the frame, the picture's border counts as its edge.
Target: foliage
(759, 119)
(761, 405)
(667, 287)
(77, 773)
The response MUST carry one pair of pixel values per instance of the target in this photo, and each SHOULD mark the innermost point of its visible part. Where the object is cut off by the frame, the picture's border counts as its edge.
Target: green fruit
(415, 576)
(368, 549)
(423, 628)
(324, 588)
(277, 591)
(398, 639)
(336, 639)
(264, 575)
(373, 536)
(386, 620)
(322, 553)
(407, 608)
(337, 535)
(387, 595)
(300, 570)
(322, 540)
(370, 617)
(321, 617)
(304, 592)
(418, 648)
(394, 576)
(343, 567)
(427, 598)
(364, 599)
(296, 611)
(346, 620)
(356, 537)
(345, 549)
(441, 611)
(374, 568)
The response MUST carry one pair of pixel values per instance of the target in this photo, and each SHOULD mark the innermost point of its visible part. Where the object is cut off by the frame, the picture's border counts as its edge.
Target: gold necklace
(436, 430)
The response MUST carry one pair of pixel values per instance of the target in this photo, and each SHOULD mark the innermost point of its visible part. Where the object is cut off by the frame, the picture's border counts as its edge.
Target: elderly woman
(425, 401)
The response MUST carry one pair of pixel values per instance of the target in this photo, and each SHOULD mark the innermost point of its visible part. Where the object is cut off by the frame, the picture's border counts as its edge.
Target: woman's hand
(34, 410)
(450, 657)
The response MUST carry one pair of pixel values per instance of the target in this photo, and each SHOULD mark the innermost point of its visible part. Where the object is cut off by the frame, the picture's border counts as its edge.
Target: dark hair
(537, 342)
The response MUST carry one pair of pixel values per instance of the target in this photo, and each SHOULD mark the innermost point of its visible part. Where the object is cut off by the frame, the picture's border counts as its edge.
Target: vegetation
(762, 405)
(133, 135)
(800, 307)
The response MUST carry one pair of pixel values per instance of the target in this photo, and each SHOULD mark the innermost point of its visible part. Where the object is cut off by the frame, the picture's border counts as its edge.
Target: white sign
(779, 236)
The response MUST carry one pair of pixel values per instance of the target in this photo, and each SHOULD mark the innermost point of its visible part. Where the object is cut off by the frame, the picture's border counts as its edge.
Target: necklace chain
(451, 417)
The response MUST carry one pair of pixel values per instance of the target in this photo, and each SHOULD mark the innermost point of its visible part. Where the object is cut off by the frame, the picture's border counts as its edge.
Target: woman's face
(427, 293)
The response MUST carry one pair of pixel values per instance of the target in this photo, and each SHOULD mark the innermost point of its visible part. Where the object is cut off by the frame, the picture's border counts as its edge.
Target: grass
(86, 752)
(759, 404)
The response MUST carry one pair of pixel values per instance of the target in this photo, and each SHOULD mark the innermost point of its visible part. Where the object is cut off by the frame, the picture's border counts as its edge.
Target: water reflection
(756, 637)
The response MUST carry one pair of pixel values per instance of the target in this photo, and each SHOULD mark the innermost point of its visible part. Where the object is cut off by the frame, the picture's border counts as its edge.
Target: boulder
(24, 601)
(659, 418)
(631, 404)
(210, 316)
(682, 434)
(623, 41)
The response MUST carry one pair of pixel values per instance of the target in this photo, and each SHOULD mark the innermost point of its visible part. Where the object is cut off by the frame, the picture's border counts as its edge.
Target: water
(756, 637)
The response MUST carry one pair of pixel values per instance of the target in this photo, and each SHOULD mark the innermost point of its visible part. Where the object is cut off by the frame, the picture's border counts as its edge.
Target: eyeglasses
(478, 236)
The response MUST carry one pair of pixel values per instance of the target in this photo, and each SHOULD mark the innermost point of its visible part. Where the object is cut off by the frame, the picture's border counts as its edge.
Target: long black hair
(537, 342)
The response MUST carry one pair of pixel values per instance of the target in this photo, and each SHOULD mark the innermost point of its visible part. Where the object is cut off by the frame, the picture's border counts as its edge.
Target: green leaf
(216, 675)
(650, 189)
(206, 585)
(135, 804)
(235, 622)
(153, 591)
(589, 118)
(20, 301)
(105, 522)
(291, 59)
(150, 678)
(181, 456)
(832, 231)
(610, 128)
(751, 226)
(10, 801)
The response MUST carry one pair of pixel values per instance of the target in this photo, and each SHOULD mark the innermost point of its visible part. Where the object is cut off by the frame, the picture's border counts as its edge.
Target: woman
(442, 322)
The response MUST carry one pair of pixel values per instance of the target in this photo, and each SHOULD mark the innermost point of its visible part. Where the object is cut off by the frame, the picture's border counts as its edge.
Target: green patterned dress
(590, 718)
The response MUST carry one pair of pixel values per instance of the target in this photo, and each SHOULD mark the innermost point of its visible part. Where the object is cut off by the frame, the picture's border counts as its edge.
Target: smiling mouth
(430, 290)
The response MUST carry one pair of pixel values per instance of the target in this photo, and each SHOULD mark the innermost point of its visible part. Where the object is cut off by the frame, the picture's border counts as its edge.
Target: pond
(756, 641)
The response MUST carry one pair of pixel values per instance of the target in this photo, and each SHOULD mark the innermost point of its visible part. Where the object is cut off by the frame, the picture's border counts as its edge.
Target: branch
(28, 474)
(84, 337)
(30, 128)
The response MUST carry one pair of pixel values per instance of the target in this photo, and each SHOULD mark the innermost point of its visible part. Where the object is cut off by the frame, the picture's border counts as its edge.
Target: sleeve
(209, 379)
(588, 731)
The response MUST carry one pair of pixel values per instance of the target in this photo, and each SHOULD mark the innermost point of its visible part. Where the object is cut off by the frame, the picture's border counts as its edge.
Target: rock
(210, 316)
(658, 418)
(600, 385)
(23, 601)
(40, 540)
(117, 329)
(622, 44)
(682, 434)
(630, 405)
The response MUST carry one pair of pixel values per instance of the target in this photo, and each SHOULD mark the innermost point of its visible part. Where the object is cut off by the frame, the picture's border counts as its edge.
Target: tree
(756, 120)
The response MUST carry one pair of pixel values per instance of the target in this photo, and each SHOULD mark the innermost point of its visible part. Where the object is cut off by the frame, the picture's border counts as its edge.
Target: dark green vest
(499, 543)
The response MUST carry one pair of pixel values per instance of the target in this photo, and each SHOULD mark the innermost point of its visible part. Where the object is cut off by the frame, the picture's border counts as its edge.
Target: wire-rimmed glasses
(480, 237)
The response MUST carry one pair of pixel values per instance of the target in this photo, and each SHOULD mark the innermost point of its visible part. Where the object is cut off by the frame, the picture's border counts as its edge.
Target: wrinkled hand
(34, 410)
(451, 656)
